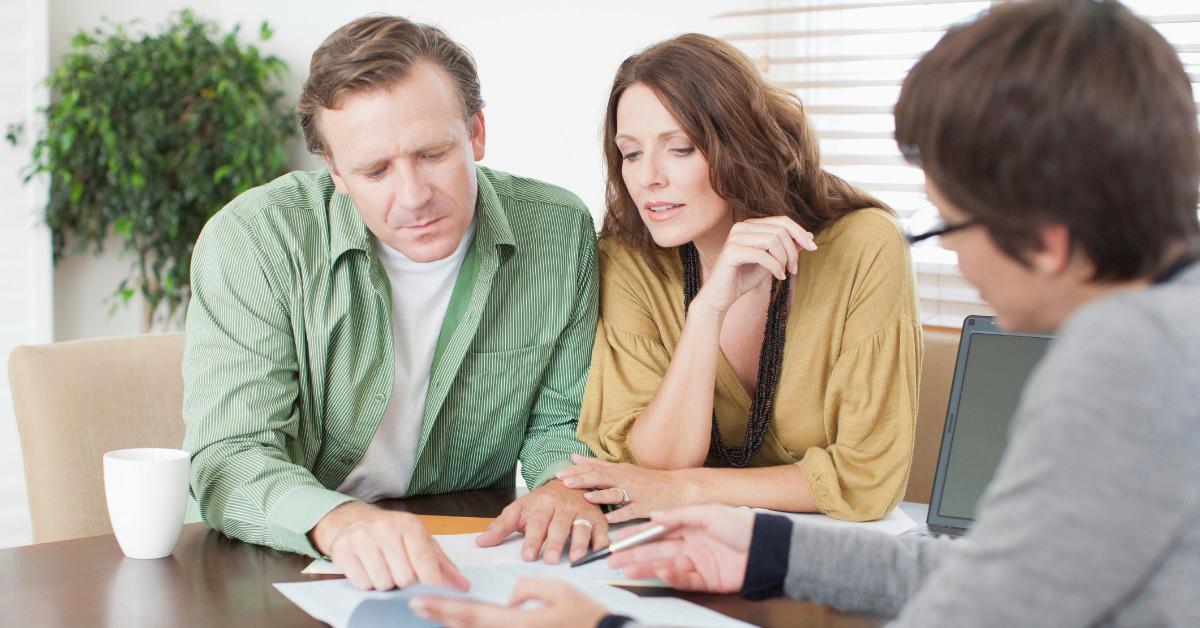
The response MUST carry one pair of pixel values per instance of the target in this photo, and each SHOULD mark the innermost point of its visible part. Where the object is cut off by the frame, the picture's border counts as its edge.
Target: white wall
(545, 66)
(24, 244)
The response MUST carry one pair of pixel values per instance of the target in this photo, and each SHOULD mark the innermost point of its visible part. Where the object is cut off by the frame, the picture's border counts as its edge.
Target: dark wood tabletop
(211, 580)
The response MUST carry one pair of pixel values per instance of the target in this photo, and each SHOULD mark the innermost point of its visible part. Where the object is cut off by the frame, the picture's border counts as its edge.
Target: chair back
(937, 374)
(76, 400)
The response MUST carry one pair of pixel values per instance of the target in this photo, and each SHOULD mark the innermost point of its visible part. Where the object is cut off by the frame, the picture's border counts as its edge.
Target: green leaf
(66, 139)
(123, 226)
(150, 133)
(14, 133)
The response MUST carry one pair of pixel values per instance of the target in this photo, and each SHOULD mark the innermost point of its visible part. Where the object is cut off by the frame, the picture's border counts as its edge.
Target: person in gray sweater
(1060, 145)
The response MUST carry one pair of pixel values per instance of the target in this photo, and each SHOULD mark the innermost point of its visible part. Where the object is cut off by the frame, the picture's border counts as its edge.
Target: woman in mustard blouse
(758, 342)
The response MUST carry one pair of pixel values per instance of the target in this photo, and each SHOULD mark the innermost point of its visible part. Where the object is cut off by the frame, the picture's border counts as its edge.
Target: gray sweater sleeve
(1098, 481)
(859, 570)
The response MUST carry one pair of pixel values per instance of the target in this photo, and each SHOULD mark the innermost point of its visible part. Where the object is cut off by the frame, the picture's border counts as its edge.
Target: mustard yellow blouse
(846, 405)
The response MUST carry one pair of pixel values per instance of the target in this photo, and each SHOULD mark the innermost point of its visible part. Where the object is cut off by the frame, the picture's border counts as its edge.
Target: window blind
(846, 60)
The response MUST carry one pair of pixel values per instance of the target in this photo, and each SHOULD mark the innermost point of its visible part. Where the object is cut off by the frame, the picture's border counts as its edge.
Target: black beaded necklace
(769, 361)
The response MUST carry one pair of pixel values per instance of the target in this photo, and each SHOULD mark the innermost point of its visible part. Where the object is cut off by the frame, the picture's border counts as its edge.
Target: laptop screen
(992, 369)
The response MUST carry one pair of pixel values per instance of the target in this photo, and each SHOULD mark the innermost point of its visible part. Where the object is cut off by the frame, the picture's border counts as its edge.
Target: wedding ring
(624, 496)
(582, 522)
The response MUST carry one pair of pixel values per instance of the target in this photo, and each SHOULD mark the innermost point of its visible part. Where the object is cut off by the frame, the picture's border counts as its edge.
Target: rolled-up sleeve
(240, 398)
(550, 438)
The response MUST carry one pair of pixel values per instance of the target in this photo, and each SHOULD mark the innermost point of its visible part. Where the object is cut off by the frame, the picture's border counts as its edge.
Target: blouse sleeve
(870, 404)
(629, 361)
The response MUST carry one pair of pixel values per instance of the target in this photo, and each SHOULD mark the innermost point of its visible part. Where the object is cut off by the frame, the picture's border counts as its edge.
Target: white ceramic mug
(147, 494)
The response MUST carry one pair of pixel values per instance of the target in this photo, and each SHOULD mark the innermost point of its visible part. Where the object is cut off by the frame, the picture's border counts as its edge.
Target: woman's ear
(1054, 255)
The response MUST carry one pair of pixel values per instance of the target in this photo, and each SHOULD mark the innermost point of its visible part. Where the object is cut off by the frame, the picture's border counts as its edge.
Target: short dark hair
(375, 52)
(1066, 112)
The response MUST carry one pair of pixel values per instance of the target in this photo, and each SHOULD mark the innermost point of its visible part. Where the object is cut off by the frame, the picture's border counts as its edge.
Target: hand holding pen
(637, 536)
(699, 548)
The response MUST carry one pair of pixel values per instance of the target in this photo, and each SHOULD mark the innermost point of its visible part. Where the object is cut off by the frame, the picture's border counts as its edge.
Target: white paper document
(895, 523)
(339, 604)
(462, 551)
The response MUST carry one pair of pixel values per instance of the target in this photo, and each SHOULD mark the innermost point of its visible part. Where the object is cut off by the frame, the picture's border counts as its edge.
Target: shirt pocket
(501, 387)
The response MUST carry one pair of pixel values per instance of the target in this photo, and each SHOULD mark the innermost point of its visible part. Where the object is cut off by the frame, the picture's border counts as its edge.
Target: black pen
(649, 534)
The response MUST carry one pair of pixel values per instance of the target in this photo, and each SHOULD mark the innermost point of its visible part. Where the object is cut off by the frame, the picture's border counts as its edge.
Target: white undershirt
(420, 297)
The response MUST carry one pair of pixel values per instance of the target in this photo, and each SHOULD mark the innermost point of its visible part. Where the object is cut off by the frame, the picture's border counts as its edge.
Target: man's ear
(478, 135)
(1054, 255)
(338, 183)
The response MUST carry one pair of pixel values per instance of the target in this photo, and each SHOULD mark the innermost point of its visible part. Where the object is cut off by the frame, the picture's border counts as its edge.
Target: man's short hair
(1067, 112)
(373, 53)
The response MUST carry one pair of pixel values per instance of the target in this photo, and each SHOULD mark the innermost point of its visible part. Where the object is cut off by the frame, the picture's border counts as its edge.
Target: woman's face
(666, 175)
(1024, 298)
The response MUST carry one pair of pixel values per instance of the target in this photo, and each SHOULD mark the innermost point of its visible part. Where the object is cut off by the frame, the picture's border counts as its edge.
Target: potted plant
(147, 136)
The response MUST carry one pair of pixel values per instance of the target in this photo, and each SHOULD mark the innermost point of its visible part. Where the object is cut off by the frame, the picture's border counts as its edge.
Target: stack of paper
(462, 551)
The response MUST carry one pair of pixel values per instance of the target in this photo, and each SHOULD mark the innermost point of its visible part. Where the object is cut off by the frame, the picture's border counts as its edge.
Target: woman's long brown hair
(763, 156)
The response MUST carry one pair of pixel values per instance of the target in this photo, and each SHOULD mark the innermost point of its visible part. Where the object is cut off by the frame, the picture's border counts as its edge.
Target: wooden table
(213, 581)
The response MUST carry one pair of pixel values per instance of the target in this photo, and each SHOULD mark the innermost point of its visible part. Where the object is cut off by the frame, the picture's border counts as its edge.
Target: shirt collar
(347, 231)
(494, 230)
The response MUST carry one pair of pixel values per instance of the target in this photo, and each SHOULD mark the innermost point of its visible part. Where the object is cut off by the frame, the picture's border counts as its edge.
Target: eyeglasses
(940, 231)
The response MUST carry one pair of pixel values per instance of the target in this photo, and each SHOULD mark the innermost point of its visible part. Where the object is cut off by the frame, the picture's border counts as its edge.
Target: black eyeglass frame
(941, 231)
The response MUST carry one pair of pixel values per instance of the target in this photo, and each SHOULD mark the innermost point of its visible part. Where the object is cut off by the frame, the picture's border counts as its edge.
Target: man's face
(406, 157)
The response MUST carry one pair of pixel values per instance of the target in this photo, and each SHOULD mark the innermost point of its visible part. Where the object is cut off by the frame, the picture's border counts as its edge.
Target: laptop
(989, 375)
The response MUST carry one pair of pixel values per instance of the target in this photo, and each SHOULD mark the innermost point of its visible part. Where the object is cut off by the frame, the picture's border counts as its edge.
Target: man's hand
(549, 516)
(381, 549)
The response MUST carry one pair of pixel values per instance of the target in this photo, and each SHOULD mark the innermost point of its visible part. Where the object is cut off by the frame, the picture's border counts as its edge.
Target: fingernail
(589, 495)
(418, 608)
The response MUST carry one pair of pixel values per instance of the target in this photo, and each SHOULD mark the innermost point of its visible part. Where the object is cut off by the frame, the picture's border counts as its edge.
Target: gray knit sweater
(1093, 518)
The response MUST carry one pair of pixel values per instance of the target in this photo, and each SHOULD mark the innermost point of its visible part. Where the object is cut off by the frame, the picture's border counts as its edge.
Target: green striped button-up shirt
(289, 361)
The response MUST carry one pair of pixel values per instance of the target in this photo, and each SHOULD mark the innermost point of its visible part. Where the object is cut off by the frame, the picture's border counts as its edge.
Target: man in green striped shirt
(404, 322)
